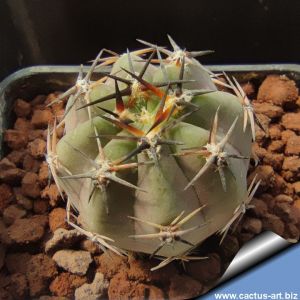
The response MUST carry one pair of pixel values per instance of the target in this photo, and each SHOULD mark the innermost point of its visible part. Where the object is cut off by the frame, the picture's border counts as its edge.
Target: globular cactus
(154, 158)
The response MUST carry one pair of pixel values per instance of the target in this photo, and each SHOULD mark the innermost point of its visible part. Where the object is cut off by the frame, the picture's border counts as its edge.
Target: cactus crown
(153, 153)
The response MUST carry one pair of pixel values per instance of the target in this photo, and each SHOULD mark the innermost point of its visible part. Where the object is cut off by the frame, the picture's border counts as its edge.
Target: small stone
(36, 134)
(17, 262)
(76, 262)
(12, 176)
(270, 110)
(274, 224)
(94, 291)
(260, 208)
(39, 99)
(206, 269)
(293, 146)
(285, 211)
(230, 246)
(51, 192)
(6, 196)
(286, 135)
(291, 164)
(40, 207)
(291, 121)
(292, 232)
(15, 139)
(276, 146)
(57, 219)
(275, 160)
(22, 124)
(37, 148)
(22, 108)
(31, 164)
(110, 263)
(275, 131)
(18, 286)
(12, 213)
(30, 186)
(184, 287)
(248, 88)
(41, 118)
(296, 186)
(40, 269)
(22, 200)
(265, 174)
(2, 255)
(252, 225)
(43, 174)
(259, 151)
(284, 198)
(16, 157)
(63, 239)
(90, 246)
(64, 285)
(278, 89)
(25, 231)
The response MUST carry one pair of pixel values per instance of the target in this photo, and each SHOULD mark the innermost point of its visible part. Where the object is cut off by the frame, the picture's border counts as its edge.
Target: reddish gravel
(33, 215)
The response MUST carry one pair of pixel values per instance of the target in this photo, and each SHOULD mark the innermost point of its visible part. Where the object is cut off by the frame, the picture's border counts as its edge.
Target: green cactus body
(160, 163)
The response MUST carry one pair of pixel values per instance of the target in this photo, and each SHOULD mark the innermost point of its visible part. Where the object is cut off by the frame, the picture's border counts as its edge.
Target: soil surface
(42, 258)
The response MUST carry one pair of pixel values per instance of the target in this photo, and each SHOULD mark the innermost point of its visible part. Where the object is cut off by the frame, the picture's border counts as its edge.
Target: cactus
(154, 158)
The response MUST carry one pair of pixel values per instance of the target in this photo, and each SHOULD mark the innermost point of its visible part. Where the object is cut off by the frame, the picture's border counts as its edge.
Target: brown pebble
(291, 163)
(248, 88)
(30, 186)
(40, 206)
(22, 124)
(293, 146)
(275, 131)
(274, 224)
(43, 174)
(252, 225)
(296, 186)
(12, 176)
(206, 269)
(22, 200)
(279, 185)
(265, 174)
(12, 213)
(230, 246)
(90, 246)
(286, 135)
(40, 269)
(274, 159)
(39, 99)
(37, 148)
(29, 230)
(260, 208)
(41, 118)
(184, 287)
(268, 109)
(51, 193)
(291, 232)
(64, 284)
(16, 157)
(285, 211)
(278, 89)
(17, 262)
(6, 196)
(30, 163)
(18, 286)
(57, 219)
(291, 121)
(15, 139)
(36, 134)
(22, 108)
(276, 146)
(259, 151)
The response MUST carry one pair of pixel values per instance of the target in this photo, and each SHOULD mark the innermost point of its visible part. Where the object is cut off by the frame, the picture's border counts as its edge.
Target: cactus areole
(154, 157)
